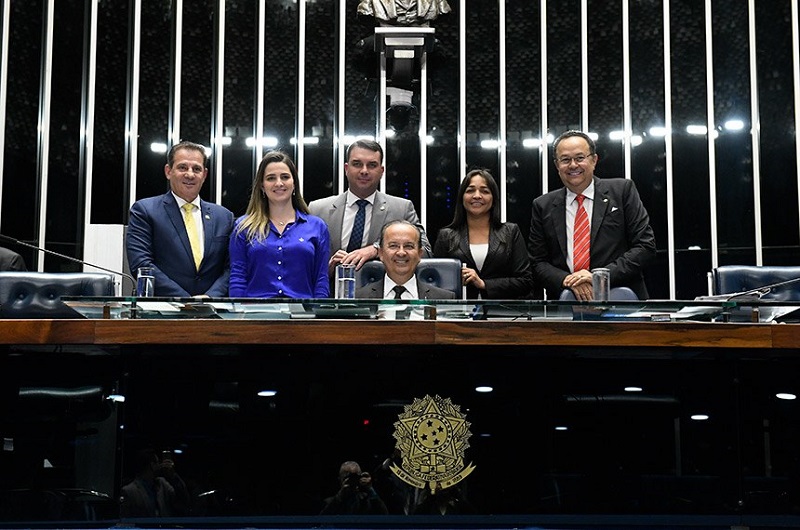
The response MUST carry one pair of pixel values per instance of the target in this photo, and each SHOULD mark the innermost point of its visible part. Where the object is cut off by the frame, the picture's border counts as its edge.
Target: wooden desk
(495, 333)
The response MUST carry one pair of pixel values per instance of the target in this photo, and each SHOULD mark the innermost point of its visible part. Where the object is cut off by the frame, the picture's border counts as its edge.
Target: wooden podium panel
(589, 425)
(428, 332)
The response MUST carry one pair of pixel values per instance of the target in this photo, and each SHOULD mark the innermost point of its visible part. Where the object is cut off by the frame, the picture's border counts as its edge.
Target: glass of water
(345, 281)
(145, 282)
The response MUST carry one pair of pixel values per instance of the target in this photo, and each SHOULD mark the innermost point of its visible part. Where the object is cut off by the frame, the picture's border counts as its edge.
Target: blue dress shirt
(289, 265)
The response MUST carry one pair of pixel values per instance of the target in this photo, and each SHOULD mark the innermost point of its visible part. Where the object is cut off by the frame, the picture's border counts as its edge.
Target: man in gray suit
(362, 208)
(400, 252)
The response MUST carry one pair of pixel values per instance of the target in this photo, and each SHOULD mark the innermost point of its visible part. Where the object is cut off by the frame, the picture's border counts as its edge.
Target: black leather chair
(728, 279)
(38, 294)
(444, 273)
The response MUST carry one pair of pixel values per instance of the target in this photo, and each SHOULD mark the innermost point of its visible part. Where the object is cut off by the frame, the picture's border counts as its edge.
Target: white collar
(352, 198)
(181, 202)
(588, 193)
(410, 285)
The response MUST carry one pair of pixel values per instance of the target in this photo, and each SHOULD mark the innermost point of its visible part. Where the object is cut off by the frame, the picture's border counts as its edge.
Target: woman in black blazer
(494, 254)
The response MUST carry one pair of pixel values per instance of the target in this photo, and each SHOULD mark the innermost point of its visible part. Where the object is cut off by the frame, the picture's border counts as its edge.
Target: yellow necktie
(194, 236)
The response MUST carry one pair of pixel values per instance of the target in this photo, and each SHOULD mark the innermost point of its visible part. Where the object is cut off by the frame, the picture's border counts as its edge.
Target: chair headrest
(741, 278)
(441, 272)
(38, 294)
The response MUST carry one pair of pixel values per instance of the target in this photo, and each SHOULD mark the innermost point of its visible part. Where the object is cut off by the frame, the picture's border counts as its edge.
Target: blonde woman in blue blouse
(277, 249)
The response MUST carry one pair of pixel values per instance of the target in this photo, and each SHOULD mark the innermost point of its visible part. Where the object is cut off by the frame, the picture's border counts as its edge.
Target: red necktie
(580, 248)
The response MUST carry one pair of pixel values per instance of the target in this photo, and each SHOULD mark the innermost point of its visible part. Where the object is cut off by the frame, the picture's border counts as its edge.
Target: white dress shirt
(350, 216)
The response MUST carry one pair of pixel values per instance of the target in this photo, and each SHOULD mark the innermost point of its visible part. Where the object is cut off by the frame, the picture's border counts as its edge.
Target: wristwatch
(377, 245)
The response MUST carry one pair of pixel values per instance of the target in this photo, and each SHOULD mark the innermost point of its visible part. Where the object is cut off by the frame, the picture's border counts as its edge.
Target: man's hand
(580, 283)
(335, 260)
(360, 256)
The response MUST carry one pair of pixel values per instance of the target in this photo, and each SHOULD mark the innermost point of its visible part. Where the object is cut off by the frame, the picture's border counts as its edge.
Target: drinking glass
(145, 282)
(345, 281)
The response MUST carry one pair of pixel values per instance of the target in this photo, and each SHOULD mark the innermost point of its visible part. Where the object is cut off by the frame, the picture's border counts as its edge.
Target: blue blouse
(289, 265)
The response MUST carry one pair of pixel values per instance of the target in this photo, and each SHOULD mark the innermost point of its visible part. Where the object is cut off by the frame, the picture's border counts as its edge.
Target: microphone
(70, 258)
(749, 296)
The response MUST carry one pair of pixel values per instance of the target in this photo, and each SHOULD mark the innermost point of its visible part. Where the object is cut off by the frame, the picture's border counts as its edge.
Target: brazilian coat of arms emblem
(432, 436)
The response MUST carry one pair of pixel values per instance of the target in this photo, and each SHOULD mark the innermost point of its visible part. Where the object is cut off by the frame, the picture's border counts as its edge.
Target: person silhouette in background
(448, 501)
(156, 491)
(356, 496)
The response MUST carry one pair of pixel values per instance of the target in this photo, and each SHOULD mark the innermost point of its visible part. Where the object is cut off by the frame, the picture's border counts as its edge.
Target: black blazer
(11, 261)
(621, 237)
(506, 270)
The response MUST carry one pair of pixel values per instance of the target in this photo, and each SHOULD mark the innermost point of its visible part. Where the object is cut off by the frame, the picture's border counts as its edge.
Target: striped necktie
(580, 248)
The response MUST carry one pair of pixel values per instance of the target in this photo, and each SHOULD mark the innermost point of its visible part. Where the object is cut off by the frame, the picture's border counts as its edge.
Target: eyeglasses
(567, 160)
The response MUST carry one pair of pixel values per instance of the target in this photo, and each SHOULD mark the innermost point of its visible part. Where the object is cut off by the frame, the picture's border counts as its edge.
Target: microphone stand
(76, 260)
(752, 295)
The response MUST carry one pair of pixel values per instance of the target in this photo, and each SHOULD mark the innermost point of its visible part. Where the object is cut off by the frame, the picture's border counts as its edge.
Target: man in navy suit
(157, 235)
(621, 238)
(364, 169)
(400, 252)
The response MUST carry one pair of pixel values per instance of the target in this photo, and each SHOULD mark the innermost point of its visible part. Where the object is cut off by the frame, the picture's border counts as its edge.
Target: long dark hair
(460, 215)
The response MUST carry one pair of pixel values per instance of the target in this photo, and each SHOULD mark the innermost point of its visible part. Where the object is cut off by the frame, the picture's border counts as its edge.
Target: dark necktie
(398, 291)
(358, 226)
(580, 250)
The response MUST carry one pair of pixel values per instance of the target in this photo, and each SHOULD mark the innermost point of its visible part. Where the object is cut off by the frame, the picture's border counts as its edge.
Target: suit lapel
(463, 246)
(423, 289)
(208, 228)
(379, 213)
(559, 217)
(176, 218)
(495, 244)
(377, 290)
(336, 216)
(602, 202)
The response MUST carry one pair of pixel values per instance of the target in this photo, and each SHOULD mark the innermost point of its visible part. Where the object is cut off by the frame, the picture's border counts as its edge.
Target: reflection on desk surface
(508, 310)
